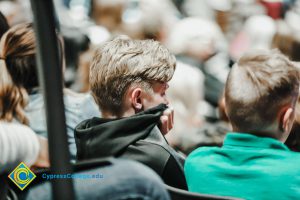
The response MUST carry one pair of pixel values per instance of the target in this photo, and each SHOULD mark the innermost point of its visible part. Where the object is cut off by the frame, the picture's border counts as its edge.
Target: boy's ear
(286, 123)
(136, 99)
(288, 119)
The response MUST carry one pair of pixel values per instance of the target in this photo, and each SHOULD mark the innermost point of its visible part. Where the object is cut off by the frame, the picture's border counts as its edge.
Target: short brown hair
(122, 62)
(257, 87)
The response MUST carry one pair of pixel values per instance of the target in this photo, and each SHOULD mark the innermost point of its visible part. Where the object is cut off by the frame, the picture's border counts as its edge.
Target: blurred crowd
(207, 37)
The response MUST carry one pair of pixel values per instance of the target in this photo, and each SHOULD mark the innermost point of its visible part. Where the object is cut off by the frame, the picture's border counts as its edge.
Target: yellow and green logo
(22, 176)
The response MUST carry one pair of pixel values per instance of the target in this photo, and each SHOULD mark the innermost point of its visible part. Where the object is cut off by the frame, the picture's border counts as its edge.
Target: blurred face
(108, 16)
(156, 97)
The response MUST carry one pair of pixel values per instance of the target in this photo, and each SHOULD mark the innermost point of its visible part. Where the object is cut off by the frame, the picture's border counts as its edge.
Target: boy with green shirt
(260, 96)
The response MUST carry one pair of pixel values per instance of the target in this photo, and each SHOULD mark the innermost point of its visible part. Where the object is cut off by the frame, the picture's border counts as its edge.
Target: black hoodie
(137, 138)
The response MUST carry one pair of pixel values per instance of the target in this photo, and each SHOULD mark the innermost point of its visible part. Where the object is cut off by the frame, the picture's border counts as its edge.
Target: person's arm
(18, 143)
(43, 156)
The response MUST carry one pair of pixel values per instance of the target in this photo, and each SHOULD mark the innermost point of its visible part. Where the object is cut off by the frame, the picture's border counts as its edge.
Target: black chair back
(178, 194)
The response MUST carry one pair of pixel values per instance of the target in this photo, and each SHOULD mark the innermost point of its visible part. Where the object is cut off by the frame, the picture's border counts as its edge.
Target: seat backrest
(9, 190)
(178, 194)
(4, 186)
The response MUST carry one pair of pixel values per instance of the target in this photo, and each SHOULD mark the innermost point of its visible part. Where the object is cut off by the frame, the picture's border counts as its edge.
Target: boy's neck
(109, 115)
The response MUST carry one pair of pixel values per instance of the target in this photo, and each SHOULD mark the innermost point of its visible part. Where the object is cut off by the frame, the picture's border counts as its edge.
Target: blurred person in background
(139, 19)
(201, 43)
(197, 44)
(76, 42)
(18, 143)
(229, 14)
(108, 13)
(82, 80)
(292, 16)
(257, 33)
(17, 49)
(97, 36)
(150, 19)
(287, 40)
(185, 94)
(191, 129)
(16, 12)
(3, 25)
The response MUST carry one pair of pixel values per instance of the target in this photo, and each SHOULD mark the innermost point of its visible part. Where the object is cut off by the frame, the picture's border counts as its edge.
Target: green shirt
(247, 166)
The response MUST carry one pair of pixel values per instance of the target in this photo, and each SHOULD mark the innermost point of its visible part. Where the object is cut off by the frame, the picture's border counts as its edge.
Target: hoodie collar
(106, 137)
(252, 141)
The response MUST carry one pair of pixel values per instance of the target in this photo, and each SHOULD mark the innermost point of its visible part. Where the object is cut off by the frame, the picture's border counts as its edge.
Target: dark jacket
(136, 138)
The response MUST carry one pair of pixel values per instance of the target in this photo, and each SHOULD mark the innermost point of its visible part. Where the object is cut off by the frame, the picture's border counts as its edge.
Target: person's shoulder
(35, 102)
(201, 154)
(288, 172)
(292, 160)
(199, 159)
(292, 154)
(77, 97)
(81, 102)
(14, 127)
(85, 126)
(203, 151)
(284, 163)
(152, 148)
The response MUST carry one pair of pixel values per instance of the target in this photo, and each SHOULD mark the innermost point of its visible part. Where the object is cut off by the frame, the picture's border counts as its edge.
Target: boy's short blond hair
(123, 62)
(258, 86)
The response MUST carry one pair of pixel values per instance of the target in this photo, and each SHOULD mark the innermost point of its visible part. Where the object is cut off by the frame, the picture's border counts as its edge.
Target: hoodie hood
(99, 137)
